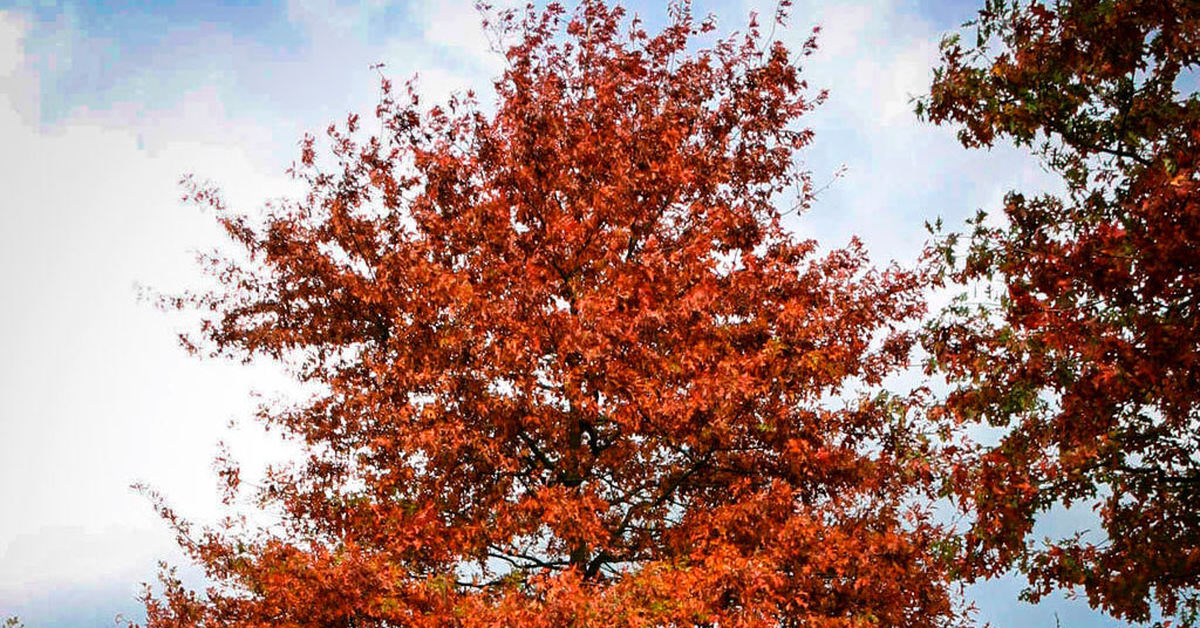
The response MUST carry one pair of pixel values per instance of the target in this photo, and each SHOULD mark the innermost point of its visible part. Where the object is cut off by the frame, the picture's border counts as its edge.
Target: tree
(570, 367)
(1091, 362)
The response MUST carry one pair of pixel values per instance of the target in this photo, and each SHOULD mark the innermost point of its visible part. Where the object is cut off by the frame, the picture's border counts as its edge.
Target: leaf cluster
(1090, 357)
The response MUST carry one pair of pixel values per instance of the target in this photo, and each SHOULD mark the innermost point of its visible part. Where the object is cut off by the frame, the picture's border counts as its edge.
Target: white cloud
(57, 557)
(874, 56)
(94, 394)
(330, 18)
(455, 27)
(12, 32)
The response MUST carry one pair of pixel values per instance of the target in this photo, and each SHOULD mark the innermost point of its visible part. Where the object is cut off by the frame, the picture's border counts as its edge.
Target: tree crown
(572, 368)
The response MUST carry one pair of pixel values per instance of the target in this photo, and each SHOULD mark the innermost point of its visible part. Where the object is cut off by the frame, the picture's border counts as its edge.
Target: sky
(104, 105)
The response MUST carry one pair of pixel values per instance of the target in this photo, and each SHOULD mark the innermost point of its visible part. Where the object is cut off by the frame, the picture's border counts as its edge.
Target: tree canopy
(1091, 359)
(570, 367)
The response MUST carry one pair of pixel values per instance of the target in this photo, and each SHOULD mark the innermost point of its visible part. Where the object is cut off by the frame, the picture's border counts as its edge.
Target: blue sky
(103, 105)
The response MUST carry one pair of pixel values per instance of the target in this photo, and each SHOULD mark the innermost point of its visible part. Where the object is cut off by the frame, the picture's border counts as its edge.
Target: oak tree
(1090, 364)
(569, 366)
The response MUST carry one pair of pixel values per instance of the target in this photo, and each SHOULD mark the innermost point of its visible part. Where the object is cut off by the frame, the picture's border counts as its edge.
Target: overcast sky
(103, 106)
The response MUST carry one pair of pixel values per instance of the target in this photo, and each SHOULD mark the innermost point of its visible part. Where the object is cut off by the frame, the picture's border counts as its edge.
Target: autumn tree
(1090, 362)
(570, 367)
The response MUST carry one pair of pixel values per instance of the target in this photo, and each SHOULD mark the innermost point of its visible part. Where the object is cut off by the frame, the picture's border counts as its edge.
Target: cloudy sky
(103, 106)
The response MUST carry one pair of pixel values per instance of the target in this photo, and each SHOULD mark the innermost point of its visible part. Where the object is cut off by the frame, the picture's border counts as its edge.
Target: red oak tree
(1092, 361)
(571, 368)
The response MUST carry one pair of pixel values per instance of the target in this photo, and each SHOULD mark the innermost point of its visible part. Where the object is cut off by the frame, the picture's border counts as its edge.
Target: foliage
(571, 369)
(1092, 360)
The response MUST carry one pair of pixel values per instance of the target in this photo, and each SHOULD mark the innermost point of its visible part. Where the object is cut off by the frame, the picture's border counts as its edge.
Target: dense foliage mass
(571, 369)
(1091, 363)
